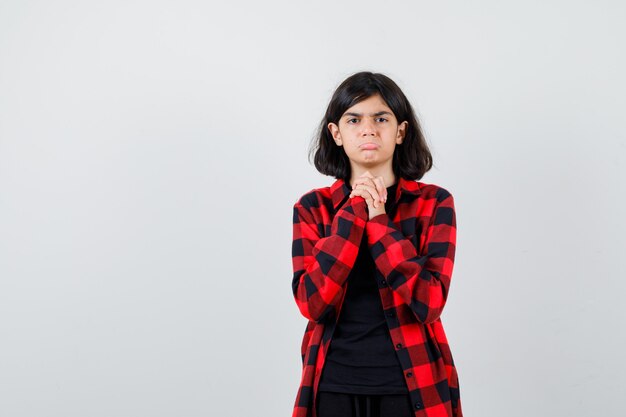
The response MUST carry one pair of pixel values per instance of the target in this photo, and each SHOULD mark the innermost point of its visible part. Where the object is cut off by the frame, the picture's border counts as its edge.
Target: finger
(370, 188)
(380, 188)
(382, 183)
(365, 180)
(362, 180)
(363, 193)
(372, 182)
(379, 191)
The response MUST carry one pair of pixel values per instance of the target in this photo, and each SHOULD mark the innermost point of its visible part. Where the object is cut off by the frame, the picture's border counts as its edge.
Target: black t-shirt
(361, 358)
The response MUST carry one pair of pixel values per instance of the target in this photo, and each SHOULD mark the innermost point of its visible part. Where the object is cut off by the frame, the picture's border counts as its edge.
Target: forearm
(421, 280)
(322, 265)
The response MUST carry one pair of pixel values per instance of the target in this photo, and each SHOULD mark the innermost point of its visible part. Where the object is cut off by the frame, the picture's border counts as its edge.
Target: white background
(151, 153)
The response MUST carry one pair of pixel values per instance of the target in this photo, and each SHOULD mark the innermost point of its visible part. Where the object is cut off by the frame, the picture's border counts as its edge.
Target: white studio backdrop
(151, 153)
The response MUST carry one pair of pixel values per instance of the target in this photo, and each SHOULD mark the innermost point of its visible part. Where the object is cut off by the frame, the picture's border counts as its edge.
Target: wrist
(375, 213)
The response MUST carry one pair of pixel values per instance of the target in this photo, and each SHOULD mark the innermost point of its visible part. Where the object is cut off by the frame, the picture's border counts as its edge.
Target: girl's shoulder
(431, 190)
(314, 197)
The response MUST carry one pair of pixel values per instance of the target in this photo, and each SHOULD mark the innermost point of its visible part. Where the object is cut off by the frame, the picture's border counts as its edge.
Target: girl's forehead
(373, 103)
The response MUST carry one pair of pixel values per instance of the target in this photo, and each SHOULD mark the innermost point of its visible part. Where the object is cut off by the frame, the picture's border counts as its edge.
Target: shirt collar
(340, 189)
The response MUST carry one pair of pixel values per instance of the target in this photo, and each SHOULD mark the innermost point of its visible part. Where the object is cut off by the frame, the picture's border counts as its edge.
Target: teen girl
(372, 262)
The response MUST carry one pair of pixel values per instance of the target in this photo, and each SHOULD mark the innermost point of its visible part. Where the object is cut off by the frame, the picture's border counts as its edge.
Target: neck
(388, 176)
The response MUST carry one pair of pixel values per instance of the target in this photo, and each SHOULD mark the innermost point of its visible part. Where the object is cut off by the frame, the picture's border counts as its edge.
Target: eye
(353, 120)
(381, 119)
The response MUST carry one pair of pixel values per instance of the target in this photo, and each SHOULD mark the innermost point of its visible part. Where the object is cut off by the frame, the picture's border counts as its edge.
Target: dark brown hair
(411, 159)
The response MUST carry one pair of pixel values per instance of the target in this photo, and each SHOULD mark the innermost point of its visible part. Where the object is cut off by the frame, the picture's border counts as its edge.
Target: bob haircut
(411, 159)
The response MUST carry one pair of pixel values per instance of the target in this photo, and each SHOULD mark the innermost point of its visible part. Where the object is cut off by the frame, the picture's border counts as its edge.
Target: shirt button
(399, 345)
(418, 405)
(389, 314)
(409, 374)
(383, 282)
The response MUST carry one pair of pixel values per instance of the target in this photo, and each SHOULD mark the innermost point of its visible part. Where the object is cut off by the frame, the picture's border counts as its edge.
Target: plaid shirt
(414, 256)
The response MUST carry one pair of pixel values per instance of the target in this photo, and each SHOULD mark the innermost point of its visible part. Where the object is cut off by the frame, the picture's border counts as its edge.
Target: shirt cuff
(377, 227)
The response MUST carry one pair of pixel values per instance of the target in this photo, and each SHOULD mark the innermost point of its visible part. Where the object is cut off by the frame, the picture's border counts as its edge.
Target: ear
(334, 131)
(401, 131)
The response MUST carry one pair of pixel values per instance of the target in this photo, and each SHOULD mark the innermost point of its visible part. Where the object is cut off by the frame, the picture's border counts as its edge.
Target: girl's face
(369, 132)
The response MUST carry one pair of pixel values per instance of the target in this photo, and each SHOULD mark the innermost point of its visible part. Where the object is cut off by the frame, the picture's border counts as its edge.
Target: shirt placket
(391, 318)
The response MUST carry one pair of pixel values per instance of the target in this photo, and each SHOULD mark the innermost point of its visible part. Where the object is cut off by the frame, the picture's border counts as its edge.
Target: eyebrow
(380, 113)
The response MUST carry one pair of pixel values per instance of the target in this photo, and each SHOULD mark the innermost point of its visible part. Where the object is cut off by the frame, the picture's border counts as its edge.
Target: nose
(368, 127)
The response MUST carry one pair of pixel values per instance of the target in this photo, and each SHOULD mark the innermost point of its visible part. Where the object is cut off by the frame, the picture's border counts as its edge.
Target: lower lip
(369, 147)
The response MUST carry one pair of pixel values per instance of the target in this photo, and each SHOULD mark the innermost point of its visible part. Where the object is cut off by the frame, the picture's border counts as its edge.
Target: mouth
(369, 145)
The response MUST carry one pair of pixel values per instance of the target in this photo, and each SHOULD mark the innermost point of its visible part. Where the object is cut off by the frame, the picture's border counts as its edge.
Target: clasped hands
(373, 190)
